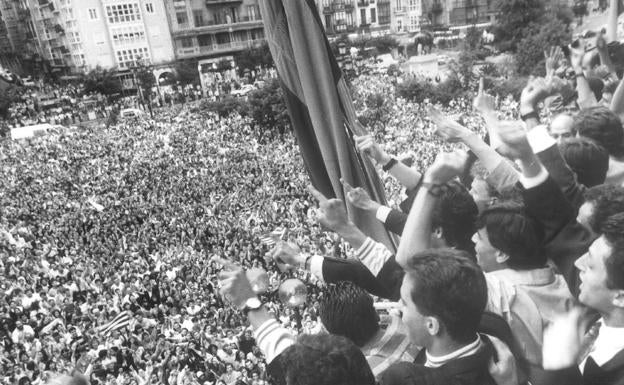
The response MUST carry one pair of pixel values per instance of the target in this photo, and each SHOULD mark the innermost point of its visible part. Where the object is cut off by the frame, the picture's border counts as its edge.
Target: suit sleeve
(545, 147)
(395, 222)
(335, 270)
(564, 239)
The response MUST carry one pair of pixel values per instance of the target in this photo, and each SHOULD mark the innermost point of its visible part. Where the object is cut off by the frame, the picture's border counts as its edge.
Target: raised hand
(447, 166)
(535, 91)
(359, 197)
(576, 57)
(234, 284)
(553, 58)
(563, 340)
(483, 102)
(332, 212)
(514, 140)
(287, 253)
(367, 145)
(447, 128)
(504, 371)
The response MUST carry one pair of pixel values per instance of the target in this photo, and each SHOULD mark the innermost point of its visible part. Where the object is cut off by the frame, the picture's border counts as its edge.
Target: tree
(383, 44)
(223, 107)
(187, 72)
(513, 17)
(101, 81)
(249, 59)
(145, 82)
(580, 10)
(530, 52)
(8, 96)
(267, 107)
(473, 38)
(224, 65)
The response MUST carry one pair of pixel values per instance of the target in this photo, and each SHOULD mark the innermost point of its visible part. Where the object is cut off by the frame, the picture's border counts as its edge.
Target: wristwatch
(252, 303)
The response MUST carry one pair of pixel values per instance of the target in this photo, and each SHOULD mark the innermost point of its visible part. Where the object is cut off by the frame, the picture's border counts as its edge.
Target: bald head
(561, 127)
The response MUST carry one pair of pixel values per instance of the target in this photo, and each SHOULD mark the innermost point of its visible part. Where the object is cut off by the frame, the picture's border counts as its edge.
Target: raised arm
(586, 98)
(407, 176)
(419, 221)
(500, 173)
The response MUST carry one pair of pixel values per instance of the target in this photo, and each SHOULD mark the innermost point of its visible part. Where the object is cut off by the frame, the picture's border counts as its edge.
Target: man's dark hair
(325, 360)
(515, 233)
(588, 160)
(613, 231)
(456, 212)
(608, 200)
(447, 284)
(603, 126)
(347, 310)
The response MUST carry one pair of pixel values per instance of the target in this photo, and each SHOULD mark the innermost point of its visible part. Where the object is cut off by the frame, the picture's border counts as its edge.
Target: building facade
(80, 35)
(18, 31)
(355, 16)
(407, 15)
(213, 28)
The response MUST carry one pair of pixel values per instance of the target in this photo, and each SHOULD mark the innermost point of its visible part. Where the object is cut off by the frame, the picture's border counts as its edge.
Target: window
(363, 16)
(123, 13)
(198, 16)
(127, 58)
(384, 13)
(149, 7)
(181, 18)
(93, 14)
(128, 34)
(252, 12)
(373, 15)
(186, 42)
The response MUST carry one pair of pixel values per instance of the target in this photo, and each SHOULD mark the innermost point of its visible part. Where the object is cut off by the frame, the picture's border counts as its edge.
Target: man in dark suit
(443, 297)
(595, 274)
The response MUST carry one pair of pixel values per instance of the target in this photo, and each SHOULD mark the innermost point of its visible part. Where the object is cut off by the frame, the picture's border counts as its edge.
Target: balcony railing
(211, 27)
(218, 48)
(217, 2)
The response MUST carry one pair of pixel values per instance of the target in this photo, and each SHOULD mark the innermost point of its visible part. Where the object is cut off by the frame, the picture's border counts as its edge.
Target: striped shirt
(386, 348)
(389, 346)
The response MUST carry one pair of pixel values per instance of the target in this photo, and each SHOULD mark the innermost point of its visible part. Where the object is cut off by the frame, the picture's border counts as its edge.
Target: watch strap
(390, 164)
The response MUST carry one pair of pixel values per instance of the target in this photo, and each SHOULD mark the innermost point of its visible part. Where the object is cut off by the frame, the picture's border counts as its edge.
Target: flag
(320, 107)
(120, 321)
(271, 238)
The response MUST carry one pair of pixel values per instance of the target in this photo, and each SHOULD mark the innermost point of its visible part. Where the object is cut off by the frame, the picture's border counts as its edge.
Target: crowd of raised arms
(125, 251)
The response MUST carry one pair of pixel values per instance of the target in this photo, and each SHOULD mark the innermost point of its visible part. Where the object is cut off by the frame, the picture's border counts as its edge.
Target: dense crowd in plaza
(175, 249)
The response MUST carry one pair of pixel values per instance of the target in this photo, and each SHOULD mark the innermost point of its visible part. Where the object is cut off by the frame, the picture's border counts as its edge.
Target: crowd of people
(156, 251)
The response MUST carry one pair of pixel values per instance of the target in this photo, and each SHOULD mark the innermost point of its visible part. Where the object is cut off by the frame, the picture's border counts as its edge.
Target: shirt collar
(534, 277)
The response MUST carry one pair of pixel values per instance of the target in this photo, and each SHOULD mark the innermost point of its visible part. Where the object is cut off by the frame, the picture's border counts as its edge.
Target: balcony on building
(339, 6)
(217, 49)
(211, 26)
(210, 3)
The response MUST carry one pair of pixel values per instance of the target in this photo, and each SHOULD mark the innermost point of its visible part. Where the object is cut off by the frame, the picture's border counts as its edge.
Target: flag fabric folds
(320, 107)
(120, 321)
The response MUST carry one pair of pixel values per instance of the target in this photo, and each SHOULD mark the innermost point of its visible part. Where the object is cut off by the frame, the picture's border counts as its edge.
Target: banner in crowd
(320, 106)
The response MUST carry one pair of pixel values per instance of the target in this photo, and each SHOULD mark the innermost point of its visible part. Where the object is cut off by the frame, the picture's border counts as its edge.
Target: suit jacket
(561, 173)
(468, 370)
(611, 373)
(565, 240)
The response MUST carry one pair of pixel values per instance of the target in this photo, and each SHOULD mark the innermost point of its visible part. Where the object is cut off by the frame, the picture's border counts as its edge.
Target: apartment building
(213, 28)
(355, 16)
